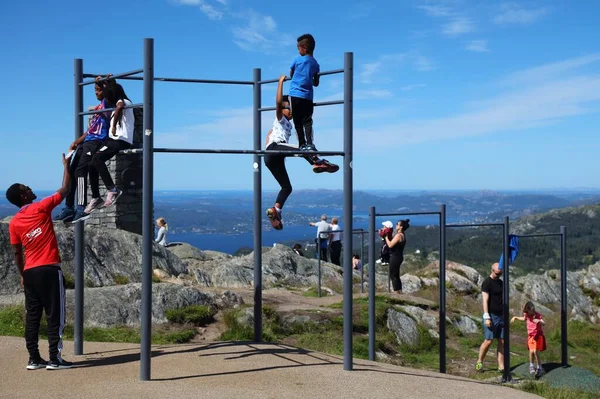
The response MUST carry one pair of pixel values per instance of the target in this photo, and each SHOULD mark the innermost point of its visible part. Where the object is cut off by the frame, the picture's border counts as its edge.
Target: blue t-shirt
(305, 68)
(99, 126)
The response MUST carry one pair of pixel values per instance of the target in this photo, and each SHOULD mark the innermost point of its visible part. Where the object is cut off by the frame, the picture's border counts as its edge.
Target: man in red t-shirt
(31, 229)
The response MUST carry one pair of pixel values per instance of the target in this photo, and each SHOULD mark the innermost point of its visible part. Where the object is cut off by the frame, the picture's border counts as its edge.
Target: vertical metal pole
(147, 208)
(442, 289)
(563, 296)
(506, 376)
(348, 118)
(362, 263)
(79, 236)
(257, 210)
(372, 283)
(318, 266)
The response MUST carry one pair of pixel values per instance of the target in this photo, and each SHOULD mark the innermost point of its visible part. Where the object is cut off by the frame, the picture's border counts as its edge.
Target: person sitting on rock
(163, 228)
(298, 249)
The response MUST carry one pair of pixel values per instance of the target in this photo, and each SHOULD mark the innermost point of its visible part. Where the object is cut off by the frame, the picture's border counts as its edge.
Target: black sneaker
(80, 216)
(58, 365)
(65, 215)
(310, 147)
(35, 364)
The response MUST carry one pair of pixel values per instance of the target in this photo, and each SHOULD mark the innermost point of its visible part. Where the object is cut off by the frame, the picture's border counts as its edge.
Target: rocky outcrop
(120, 305)
(108, 254)
(404, 327)
(281, 267)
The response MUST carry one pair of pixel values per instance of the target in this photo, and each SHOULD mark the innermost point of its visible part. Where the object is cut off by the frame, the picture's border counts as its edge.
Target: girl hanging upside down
(278, 140)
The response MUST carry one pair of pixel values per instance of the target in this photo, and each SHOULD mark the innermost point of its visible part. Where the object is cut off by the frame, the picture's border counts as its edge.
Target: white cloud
(478, 46)
(458, 26)
(369, 71)
(412, 87)
(512, 13)
(550, 71)
(211, 11)
(257, 32)
(535, 106)
(436, 10)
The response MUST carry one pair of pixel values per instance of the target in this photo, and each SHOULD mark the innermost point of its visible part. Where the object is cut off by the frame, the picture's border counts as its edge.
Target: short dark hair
(309, 41)
(13, 195)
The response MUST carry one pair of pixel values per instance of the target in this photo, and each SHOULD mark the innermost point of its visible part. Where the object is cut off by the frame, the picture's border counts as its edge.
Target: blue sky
(454, 94)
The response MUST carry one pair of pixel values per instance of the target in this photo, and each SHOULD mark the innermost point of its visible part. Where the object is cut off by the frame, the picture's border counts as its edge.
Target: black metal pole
(257, 211)
(362, 263)
(442, 311)
(372, 283)
(79, 235)
(348, 118)
(147, 208)
(563, 297)
(506, 375)
(318, 266)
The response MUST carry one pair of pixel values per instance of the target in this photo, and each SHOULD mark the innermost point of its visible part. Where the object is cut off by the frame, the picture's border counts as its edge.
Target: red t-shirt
(533, 329)
(32, 227)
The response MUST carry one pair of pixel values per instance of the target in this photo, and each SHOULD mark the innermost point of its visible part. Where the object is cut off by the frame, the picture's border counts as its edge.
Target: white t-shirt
(336, 236)
(323, 229)
(281, 132)
(125, 130)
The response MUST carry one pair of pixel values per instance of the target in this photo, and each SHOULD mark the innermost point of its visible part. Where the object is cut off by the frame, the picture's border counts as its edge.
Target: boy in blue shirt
(304, 73)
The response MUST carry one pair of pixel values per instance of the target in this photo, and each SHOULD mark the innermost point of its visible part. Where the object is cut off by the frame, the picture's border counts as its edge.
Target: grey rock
(120, 305)
(465, 325)
(404, 327)
(461, 284)
(423, 317)
(410, 283)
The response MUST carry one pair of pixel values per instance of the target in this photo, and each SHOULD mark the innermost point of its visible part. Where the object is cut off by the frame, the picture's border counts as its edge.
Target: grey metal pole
(79, 235)
(257, 210)
(348, 118)
(147, 208)
(372, 283)
(318, 266)
(506, 375)
(563, 296)
(442, 310)
(362, 263)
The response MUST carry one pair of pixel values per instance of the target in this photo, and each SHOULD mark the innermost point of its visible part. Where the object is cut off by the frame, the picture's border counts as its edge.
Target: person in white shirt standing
(335, 243)
(323, 229)
(120, 138)
(277, 140)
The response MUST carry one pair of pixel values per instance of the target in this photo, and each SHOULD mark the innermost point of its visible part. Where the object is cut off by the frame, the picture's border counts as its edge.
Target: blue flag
(513, 244)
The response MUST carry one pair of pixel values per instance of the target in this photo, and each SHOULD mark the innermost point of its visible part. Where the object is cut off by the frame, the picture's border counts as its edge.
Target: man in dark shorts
(493, 317)
(31, 229)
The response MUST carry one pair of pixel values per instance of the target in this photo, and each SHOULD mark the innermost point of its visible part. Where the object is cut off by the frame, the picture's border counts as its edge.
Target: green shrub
(120, 279)
(199, 315)
(156, 279)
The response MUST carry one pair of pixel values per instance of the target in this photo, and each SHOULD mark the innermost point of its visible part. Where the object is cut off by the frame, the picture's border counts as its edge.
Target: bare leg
(483, 349)
(500, 351)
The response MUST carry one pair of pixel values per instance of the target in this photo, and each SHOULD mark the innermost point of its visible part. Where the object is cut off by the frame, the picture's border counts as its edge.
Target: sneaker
(35, 364)
(59, 365)
(80, 216)
(310, 147)
(325, 166)
(479, 366)
(539, 372)
(112, 197)
(95, 203)
(65, 215)
(275, 218)
(532, 370)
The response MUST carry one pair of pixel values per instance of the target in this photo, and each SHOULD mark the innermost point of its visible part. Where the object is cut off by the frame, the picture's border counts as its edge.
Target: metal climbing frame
(148, 151)
(564, 359)
(362, 250)
(442, 271)
(506, 375)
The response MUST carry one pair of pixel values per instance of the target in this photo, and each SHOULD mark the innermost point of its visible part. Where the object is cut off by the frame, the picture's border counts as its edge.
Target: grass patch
(156, 279)
(69, 280)
(119, 279)
(12, 323)
(199, 315)
(546, 391)
(312, 292)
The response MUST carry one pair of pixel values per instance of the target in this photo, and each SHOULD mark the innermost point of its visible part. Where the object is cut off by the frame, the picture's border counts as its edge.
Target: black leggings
(276, 164)
(395, 262)
(98, 166)
(88, 149)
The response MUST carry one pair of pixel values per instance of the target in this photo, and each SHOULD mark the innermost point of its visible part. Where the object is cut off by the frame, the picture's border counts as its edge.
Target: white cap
(388, 224)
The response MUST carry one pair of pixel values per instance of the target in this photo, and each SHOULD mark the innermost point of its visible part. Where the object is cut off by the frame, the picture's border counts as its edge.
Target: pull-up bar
(442, 273)
(119, 76)
(563, 289)
(332, 72)
(101, 111)
(320, 104)
(147, 197)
